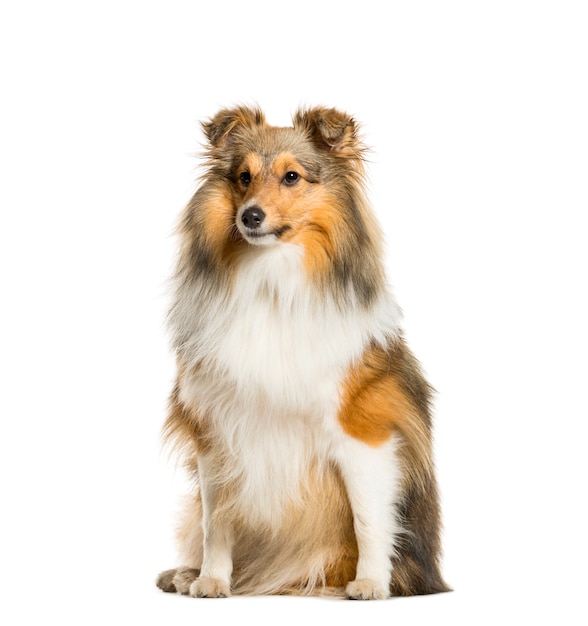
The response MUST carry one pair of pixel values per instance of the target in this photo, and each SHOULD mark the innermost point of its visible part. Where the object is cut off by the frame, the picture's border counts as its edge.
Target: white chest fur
(271, 356)
(272, 335)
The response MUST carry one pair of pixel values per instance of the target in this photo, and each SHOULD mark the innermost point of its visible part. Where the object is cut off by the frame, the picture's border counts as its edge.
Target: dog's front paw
(209, 588)
(366, 589)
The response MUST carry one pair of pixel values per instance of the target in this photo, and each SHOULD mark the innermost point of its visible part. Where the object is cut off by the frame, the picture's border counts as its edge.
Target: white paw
(209, 588)
(366, 589)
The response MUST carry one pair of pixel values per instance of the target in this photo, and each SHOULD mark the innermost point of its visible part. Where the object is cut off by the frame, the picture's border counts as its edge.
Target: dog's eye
(245, 178)
(291, 178)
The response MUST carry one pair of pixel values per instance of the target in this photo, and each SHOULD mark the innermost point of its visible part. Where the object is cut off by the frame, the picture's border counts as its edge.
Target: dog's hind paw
(366, 589)
(177, 580)
(183, 578)
(209, 588)
(165, 581)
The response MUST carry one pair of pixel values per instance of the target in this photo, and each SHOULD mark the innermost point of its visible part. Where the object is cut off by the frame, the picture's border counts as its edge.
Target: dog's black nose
(253, 217)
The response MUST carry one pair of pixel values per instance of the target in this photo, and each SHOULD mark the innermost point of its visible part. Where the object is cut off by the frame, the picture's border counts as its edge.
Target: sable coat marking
(300, 412)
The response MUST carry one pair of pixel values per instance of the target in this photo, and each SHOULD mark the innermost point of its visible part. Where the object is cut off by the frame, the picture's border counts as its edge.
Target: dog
(301, 415)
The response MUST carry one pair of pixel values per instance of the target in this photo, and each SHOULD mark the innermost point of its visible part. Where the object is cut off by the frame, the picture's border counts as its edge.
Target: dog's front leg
(217, 563)
(372, 477)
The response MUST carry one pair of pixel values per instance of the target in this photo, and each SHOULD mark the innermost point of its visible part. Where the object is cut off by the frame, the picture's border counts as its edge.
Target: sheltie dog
(303, 418)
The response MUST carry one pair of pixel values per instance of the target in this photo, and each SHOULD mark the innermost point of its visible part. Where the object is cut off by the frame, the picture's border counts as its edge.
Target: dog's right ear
(222, 128)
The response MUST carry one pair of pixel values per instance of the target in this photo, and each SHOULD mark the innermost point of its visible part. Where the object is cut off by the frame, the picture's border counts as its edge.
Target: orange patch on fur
(253, 164)
(183, 428)
(282, 204)
(319, 234)
(373, 402)
(218, 216)
(286, 162)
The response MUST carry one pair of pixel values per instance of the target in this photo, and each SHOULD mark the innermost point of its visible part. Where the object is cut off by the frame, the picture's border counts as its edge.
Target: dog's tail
(416, 564)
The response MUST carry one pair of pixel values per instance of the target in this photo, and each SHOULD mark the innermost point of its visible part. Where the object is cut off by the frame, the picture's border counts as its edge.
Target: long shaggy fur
(302, 417)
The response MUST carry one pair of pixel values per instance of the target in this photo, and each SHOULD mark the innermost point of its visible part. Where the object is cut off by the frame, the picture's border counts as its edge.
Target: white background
(476, 113)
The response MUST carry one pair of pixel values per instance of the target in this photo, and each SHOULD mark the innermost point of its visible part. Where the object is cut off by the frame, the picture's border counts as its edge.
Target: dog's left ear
(331, 129)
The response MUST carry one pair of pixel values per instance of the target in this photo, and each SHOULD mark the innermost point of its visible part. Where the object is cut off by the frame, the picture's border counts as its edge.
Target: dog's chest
(265, 366)
(273, 338)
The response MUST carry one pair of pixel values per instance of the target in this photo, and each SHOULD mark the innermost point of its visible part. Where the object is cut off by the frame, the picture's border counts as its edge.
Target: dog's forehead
(270, 142)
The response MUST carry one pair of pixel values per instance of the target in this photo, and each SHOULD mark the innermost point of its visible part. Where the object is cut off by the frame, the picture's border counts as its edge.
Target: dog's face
(275, 178)
(285, 183)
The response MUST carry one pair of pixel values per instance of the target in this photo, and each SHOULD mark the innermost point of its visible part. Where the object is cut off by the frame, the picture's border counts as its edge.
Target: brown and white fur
(302, 416)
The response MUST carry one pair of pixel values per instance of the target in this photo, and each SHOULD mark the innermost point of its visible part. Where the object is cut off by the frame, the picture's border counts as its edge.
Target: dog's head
(286, 183)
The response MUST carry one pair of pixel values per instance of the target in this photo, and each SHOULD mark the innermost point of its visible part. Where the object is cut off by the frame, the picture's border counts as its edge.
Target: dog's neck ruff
(269, 333)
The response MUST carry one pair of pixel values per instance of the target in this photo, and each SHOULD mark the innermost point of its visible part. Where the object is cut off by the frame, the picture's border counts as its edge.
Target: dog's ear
(332, 130)
(222, 127)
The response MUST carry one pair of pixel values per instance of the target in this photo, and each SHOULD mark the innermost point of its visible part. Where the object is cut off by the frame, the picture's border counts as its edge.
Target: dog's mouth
(260, 236)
